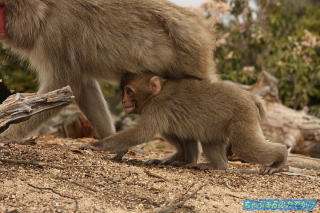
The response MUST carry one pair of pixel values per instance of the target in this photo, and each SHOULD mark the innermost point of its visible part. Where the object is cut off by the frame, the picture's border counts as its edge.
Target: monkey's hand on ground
(122, 141)
(100, 145)
(106, 146)
(174, 160)
(91, 146)
(118, 157)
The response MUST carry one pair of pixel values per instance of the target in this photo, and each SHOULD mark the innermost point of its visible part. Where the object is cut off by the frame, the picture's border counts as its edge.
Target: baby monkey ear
(155, 84)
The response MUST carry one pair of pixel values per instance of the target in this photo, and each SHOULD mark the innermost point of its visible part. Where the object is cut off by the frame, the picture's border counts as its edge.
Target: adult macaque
(189, 110)
(76, 42)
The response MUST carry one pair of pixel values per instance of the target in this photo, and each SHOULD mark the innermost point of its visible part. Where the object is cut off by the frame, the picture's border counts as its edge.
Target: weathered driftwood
(294, 128)
(266, 86)
(22, 106)
(303, 162)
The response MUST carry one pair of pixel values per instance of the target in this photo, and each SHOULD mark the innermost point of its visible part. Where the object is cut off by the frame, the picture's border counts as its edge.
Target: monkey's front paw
(193, 166)
(153, 162)
(177, 163)
(118, 157)
(96, 146)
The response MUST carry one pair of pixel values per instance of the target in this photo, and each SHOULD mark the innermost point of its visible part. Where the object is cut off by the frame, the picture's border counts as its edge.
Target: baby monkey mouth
(129, 108)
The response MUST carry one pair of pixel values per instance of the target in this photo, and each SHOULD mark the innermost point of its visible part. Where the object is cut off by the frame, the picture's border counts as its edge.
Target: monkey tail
(259, 103)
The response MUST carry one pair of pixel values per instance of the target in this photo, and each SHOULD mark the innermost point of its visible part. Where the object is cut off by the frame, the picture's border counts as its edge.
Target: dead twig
(234, 196)
(57, 193)
(227, 185)
(83, 166)
(149, 201)
(299, 175)
(28, 141)
(78, 184)
(22, 106)
(30, 163)
(42, 164)
(179, 202)
(150, 174)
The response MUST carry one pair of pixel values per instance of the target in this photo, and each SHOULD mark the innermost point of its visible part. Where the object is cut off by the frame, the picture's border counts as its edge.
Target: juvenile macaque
(76, 42)
(190, 110)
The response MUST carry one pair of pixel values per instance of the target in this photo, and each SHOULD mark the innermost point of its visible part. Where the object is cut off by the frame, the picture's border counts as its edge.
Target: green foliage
(311, 20)
(234, 57)
(113, 96)
(284, 39)
(297, 65)
(16, 74)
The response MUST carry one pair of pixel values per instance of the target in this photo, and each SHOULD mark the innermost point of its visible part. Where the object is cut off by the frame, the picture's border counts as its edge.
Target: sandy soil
(85, 181)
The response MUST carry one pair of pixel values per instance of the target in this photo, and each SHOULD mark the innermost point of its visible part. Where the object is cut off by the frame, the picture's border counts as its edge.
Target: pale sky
(188, 3)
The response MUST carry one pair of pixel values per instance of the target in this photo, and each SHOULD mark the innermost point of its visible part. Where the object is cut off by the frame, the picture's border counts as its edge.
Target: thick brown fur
(76, 42)
(191, 110)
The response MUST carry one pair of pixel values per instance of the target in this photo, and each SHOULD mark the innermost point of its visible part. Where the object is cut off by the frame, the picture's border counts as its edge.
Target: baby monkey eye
(129, 91)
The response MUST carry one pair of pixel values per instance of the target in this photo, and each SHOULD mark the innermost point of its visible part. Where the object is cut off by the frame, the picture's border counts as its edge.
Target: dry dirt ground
(53, 176)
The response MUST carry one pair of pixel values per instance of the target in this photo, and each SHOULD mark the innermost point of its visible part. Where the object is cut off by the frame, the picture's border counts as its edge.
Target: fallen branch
(27, 141)
(30, 163)
(298, 175)
(150, 174)
(42, 164)
(22, 106)
(78, 184)
(57, 193)
(179, 202)
(147, 200)
(303, 162)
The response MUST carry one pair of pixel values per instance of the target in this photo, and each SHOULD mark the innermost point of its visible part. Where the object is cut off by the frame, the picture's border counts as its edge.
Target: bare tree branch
(22, 106)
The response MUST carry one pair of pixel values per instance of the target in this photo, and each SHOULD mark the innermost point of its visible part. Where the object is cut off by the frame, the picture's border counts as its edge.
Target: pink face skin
(130, 101)
(127, 100)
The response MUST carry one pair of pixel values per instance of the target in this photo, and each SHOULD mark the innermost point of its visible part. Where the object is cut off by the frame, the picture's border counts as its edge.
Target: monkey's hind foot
(167, 161)
(201, 166)
(153, 162)
(158, 162)
(269, 170)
